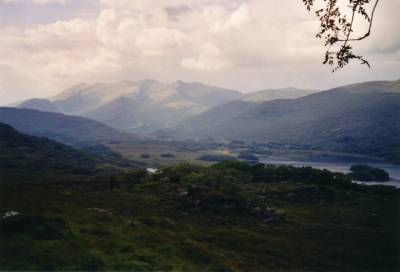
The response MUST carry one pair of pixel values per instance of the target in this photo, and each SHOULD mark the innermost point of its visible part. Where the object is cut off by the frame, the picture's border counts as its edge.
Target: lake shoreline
(334, 164)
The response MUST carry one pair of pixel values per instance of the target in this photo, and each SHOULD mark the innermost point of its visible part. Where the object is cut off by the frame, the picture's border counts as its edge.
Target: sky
(49, 45)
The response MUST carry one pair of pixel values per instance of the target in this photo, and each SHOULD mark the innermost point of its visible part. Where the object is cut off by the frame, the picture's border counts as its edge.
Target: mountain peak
(73, 90)
(38, 104)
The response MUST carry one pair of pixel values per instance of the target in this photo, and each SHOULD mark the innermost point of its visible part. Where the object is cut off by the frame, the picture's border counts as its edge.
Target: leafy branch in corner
(337, 28)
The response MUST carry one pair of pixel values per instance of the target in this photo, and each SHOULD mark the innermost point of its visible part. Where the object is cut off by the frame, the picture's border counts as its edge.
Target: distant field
(135, 151)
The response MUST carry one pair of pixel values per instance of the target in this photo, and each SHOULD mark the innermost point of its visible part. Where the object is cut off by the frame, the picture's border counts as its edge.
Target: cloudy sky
(48, 45)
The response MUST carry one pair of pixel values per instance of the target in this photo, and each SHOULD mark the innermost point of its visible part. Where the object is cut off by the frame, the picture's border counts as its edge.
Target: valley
(199, 136)
(236, 183)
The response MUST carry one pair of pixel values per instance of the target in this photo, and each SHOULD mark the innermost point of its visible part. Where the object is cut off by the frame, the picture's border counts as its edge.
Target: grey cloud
(173, 12)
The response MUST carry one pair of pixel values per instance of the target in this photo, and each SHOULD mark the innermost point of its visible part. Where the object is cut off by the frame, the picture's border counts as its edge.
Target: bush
(167, 155)
(216, 158)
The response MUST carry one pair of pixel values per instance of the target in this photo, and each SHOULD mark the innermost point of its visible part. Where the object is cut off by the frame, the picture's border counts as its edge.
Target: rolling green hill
(26, 156)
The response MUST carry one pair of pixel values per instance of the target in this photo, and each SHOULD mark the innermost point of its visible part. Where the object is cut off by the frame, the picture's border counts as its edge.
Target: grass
(145, 227)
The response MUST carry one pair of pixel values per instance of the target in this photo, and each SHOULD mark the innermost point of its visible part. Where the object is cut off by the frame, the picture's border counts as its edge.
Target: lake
(340, 166)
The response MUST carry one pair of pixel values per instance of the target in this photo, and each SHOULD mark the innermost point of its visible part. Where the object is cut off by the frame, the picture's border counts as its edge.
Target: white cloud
(40, 2)
(244, 44)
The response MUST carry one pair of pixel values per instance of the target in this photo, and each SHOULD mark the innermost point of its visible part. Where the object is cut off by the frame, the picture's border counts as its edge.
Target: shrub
(167, 155)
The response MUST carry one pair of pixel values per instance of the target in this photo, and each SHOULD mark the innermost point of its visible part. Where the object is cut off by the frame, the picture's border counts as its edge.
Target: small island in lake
(367, 173)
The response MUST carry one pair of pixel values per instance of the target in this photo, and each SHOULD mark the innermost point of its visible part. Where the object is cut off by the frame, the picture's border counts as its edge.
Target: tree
(337, 29)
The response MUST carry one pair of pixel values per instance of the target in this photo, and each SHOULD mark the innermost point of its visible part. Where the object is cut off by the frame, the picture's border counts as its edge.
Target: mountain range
(363, 118)
(141, 106)
(148, 105)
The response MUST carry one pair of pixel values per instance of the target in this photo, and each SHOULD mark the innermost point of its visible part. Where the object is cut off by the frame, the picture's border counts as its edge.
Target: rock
(274, 216)
(256, 211)
(152, 170)
(10, 214)
(182, 195)
(100, 210)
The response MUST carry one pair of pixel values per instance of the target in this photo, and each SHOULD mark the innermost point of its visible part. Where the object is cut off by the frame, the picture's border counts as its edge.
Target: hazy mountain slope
(38, 104)
(122, 113)
(358, 118)
(273, 94)
(206, 95)
(23, 154)
(60, 127)
(205, 123)
(143, 105)
(83, 97)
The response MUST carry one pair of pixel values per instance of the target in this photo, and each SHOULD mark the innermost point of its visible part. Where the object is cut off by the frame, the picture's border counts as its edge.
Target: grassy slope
(144, 227)
(24, 156)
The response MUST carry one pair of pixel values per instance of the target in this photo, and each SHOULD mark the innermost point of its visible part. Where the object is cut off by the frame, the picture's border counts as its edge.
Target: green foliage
(36, 226)
(29, 158)
(229, 216)
(24, 155)
(167, 155)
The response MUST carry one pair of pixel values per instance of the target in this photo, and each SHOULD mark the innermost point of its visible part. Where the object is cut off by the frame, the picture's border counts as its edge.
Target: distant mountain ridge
(148, 105)
(60, 127)
(363, 118)
(273, 94)
(142, 105)
(39, 104)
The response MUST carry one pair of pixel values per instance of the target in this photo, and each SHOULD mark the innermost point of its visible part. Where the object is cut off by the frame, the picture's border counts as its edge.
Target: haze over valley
(361, 118)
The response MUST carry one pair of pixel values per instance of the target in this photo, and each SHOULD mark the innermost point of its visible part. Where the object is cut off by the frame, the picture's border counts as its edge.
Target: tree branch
(369, 28)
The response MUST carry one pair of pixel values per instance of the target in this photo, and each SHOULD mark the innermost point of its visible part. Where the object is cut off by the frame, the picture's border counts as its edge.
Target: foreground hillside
(359, 118)
(229, 217)
(25, 157)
